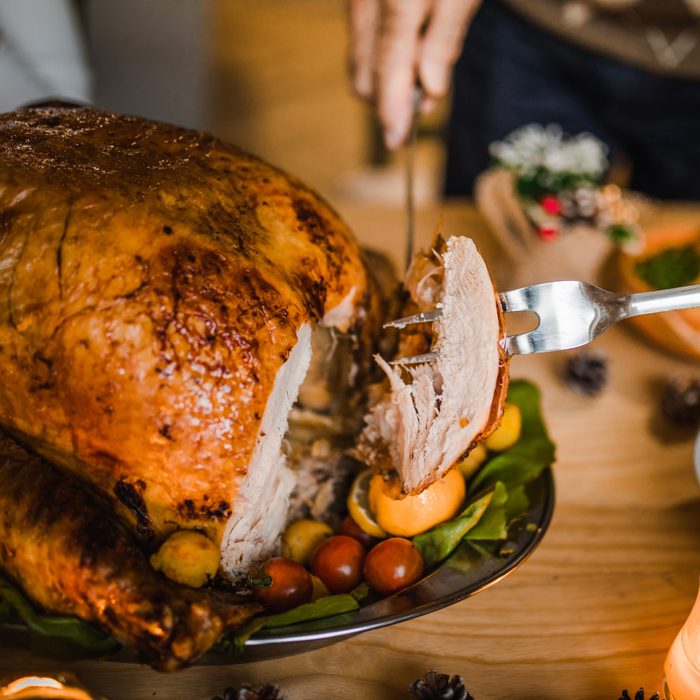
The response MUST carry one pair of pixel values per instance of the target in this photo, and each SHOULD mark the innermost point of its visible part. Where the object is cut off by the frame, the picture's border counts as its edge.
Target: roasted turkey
(158, 293)
(169, 307)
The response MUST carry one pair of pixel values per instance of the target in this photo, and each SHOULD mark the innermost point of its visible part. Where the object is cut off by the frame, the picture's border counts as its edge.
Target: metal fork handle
(663, 300)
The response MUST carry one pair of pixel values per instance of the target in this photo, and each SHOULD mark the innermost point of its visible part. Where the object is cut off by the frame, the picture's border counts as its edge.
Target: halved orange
(411, 515)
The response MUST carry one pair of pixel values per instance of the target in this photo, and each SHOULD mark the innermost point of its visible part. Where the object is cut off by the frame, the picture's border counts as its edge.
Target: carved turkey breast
(435, 413)
(158, 291)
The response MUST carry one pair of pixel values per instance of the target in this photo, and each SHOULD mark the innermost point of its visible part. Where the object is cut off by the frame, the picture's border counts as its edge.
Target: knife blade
(416, 99)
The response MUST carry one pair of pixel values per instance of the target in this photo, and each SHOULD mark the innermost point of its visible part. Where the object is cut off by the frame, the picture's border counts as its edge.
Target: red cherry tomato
(282, 584)
(350, 528)
(338, 563)
(393, 565)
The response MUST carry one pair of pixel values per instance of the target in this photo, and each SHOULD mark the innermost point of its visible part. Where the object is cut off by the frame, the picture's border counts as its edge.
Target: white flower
(534, 146)
(586, 154)
(527, 147)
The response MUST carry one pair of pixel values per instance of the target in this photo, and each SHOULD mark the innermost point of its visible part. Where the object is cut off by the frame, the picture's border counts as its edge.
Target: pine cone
(680, 401)
(586, 372)
(439, 686)
(246, 692)
(639, 695)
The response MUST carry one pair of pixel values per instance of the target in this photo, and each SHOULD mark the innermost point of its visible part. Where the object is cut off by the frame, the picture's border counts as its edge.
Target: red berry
(393, 565)
(551, 205)
(338, 563)
(282, 584)
(350, 528)
(548, 233)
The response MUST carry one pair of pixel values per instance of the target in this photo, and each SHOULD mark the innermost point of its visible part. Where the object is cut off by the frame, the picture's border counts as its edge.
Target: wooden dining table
(593, 610)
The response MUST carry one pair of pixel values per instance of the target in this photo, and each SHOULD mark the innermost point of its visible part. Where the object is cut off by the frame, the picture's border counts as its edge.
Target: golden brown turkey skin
(72, 559)
(152, 282)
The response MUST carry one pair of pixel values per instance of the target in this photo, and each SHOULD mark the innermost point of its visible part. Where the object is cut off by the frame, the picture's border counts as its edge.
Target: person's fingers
(397, 56)
(442, 43)
(428, 104)
(364, 19)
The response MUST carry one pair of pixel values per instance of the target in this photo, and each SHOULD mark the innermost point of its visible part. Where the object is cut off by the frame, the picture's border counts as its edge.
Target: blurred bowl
(677, 331)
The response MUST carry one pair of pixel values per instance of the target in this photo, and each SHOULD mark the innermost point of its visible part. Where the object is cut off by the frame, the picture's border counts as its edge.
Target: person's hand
(396, 44)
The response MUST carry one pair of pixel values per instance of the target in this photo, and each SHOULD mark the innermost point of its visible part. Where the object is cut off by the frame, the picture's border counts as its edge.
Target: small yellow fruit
(360, 506)
(472, 461)
(320, 588)
(508, 432)
(411, 515)
(187, 557)
(301, 538)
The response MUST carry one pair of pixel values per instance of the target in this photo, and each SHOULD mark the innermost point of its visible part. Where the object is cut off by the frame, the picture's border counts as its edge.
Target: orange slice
(359, 505)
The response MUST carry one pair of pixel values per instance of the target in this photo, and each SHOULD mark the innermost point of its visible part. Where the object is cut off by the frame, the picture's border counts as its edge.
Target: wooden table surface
(592, 611)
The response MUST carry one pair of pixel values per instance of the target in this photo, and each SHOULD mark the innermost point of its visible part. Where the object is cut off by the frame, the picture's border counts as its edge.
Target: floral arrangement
(560, 182)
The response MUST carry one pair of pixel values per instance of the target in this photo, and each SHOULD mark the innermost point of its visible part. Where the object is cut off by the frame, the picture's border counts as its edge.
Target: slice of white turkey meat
(253, 532)
(435, 413)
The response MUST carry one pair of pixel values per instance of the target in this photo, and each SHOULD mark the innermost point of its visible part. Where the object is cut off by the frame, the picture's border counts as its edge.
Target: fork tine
(521, 344)
(515, 300)
(422, 317)
(416, 359)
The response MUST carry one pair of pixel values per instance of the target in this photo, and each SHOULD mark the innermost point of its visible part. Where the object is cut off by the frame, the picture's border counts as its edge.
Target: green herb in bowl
(672, 267)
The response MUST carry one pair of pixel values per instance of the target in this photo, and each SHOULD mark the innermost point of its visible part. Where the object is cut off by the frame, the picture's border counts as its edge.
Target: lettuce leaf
(530, 456)
(494, 522)
(437, 544)
(325, 607)
(68, 630)
(518, 502)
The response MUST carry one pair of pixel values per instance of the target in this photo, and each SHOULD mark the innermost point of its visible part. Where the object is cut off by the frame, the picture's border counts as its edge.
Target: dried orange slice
(359, 505)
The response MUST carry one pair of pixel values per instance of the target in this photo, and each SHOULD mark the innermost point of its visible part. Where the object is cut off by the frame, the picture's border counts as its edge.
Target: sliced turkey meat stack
(435, 413)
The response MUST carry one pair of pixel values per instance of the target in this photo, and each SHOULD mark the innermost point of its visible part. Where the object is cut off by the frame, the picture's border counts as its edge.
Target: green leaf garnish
(70, 630)
(518, 502)
(328, 606)
(620, 233)
(323, 607)
(494, 522)
(672, 267)
(533, 452)
(437, 544)
(361, 592)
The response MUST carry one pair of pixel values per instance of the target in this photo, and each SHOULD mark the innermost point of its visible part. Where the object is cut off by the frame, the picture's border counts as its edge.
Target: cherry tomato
(338, 563)
(350, 528)
(393, 565)
(282, 584)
